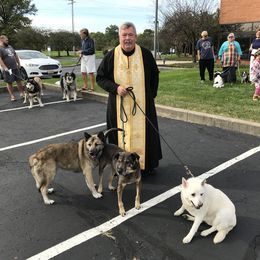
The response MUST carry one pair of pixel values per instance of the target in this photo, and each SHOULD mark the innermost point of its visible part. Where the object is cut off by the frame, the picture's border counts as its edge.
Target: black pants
(209, 64)
(229, 74)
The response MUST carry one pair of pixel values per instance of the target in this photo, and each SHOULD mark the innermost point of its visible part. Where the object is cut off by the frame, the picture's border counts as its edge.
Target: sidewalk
(236, 125)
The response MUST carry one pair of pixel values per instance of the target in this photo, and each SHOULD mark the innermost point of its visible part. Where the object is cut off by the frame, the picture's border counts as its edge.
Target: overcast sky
(95, 15)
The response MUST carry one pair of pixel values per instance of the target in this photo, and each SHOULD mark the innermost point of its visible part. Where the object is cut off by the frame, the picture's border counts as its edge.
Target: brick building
(243, 13)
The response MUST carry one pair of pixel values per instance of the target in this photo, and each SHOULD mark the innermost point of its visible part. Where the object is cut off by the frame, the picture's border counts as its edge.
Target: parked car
(35, 63)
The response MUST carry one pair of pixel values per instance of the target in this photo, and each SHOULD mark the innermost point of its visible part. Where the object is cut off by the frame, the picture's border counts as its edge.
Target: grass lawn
(181, 88)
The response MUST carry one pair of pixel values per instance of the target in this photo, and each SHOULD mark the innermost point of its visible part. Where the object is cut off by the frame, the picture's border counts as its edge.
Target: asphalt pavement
(92, 227)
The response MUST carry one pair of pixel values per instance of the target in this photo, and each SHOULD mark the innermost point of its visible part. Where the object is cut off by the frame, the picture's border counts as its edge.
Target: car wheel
(24, 74)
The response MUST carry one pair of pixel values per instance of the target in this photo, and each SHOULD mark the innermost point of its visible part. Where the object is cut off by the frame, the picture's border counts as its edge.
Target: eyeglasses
(230, 36)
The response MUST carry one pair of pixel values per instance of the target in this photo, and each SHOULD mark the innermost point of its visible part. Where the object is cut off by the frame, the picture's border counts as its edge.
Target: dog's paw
(50, 190)
(186, 239)
(49, 202)
(97, 195)
(137, 206)
(41, 105)
(111, 188)
(122, 212)
(29, 107)
(178, 213)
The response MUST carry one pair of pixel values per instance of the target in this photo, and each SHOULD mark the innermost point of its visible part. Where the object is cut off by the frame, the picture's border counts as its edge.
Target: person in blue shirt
(88, 59)
(229, 54)
(205, 53)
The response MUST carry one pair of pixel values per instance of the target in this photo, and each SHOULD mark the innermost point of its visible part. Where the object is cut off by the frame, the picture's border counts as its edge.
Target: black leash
(76, 64)
(132, 95)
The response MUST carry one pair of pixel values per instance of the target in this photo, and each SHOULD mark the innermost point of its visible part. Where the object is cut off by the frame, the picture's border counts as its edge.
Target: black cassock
(105, 79)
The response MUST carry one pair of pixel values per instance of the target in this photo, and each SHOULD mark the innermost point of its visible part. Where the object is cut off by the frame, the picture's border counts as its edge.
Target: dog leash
(76, 64)
(132, 95)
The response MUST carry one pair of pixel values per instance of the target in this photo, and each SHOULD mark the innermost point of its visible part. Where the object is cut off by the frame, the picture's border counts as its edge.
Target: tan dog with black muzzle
(127, 167)
(74, 156)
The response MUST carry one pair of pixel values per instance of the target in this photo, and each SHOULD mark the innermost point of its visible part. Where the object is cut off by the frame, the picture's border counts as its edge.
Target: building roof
(239, 11)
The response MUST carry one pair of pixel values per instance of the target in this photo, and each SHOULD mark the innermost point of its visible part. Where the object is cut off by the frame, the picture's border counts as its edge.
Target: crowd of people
(128, 73)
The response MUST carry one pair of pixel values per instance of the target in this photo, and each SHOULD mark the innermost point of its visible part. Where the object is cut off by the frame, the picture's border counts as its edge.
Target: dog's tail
(111, 130)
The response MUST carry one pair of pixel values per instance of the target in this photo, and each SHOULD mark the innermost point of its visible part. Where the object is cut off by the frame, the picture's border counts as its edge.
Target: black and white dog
(33, 91)
(244, 77)
(218, 80)
(68, 86)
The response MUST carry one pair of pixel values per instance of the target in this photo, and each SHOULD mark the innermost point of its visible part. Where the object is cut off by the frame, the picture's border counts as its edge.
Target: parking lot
(79, 226)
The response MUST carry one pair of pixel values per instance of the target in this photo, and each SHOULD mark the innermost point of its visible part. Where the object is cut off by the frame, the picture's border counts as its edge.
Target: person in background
(229, 55)
(255, 74)
(88, 59)
(130, 65)
(255, 45)
(10, 65)
(205, 53)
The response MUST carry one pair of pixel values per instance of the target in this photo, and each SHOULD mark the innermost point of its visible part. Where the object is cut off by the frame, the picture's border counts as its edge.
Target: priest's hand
(121, 91)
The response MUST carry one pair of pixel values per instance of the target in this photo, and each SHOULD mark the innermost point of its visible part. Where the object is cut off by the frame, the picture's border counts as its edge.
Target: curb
(235, 125)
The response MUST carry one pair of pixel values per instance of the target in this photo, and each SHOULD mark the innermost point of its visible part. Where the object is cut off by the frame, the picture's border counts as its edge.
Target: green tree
(100, 40)
(111, 34)
(62, 41)
(31, 38)
(13, 15)
(146, 39)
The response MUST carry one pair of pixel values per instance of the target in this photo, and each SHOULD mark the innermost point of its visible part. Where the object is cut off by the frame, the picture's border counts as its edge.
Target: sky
(95, 15)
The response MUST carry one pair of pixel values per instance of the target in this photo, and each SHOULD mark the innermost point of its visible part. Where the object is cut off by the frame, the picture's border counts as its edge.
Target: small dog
(244, 77)
(68, 86)
(218, 80)
(127, 167)
(33, 91)
(206, 203)
(74, 156)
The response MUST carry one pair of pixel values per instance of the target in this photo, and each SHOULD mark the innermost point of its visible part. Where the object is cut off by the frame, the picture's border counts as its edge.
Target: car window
(31, 55)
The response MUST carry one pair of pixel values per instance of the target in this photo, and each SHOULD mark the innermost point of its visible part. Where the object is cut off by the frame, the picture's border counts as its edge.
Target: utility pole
(72, 2)
(155, 29)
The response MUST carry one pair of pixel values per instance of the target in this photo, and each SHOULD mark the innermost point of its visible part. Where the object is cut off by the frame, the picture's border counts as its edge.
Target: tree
(13, 15)
(30, 38)
(111, 34)
(146, 38)
(185, 20)
(100, 40)
(61, 41)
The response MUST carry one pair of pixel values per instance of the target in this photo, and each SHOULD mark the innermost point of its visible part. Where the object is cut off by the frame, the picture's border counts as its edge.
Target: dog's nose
(199, 206)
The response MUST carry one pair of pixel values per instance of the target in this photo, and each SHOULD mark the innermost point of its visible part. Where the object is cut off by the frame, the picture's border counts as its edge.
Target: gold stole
(129, 72)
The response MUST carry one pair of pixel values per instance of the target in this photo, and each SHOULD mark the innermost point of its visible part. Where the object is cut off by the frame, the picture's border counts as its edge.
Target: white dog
(218, 80)
(208, 204)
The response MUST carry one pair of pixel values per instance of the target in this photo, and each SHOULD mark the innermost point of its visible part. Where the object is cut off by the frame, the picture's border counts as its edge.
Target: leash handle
(132, 95)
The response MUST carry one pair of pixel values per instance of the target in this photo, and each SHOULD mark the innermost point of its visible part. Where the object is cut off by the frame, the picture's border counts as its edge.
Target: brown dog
(127, 167)
(75, 156)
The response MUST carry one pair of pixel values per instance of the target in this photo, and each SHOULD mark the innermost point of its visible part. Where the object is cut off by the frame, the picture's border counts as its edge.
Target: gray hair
(127, 25)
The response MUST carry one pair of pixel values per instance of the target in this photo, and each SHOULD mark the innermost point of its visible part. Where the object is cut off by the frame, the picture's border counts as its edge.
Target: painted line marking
(51, 137)
(88, 234)
(45, 104)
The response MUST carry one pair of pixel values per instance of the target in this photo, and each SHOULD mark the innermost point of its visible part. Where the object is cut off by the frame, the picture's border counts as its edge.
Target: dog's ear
(87, 135)
(203, 182)
(101, 136)
(184, 183)
(135, 156)
(66, 74)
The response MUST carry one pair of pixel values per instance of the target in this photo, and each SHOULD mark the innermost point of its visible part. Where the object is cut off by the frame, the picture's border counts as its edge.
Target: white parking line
(37, 105)
(51, 137)
(88, 234)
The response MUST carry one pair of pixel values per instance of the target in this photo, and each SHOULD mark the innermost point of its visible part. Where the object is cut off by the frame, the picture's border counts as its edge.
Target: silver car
(35, 63)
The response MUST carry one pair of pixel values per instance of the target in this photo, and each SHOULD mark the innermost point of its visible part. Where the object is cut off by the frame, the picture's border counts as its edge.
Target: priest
(130, 65)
